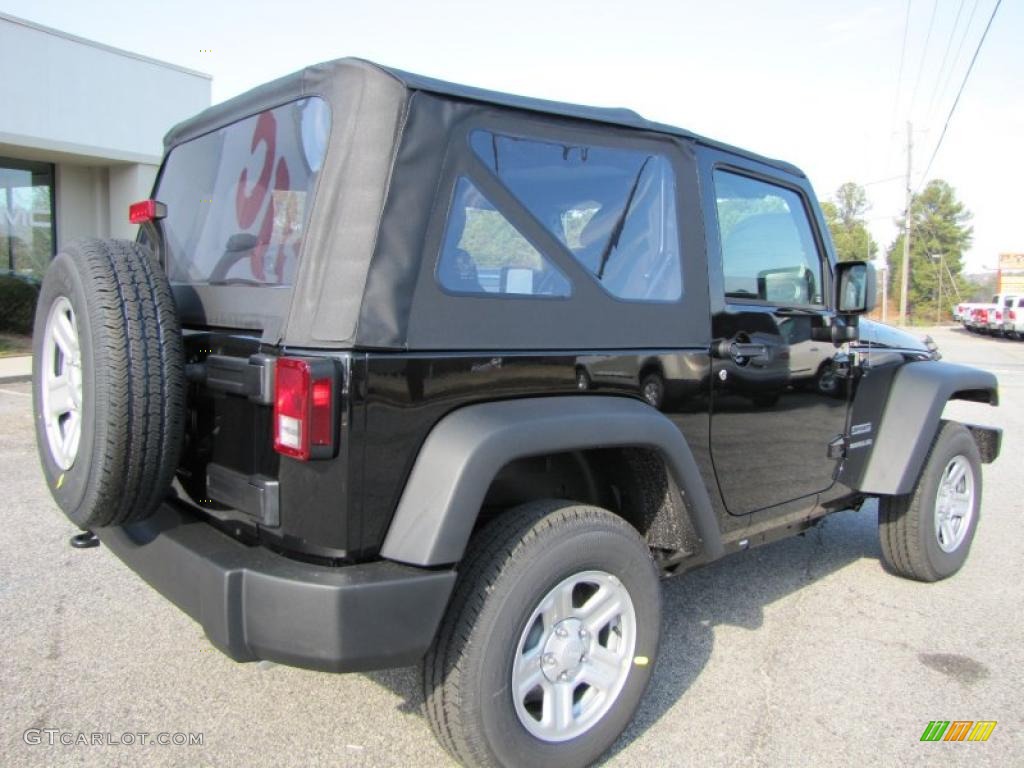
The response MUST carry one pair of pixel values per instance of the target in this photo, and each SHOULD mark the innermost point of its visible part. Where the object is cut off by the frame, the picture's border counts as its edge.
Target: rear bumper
(255, 604)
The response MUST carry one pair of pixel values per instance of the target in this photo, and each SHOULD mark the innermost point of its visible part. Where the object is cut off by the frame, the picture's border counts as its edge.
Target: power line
(903, 58)
(960, 92)
(959, 49)
(924, 56)
(899, 81)
(881, 181)
(945, 57)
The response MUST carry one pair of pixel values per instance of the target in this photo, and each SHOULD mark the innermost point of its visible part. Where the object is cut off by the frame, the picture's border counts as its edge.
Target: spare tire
(108, 382)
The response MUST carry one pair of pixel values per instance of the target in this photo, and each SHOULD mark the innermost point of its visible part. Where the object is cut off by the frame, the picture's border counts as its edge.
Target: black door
(779, 395)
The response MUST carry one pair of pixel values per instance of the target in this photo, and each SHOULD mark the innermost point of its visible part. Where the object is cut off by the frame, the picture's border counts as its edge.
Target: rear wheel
(108, 382)
(926, 535)
(548, 644)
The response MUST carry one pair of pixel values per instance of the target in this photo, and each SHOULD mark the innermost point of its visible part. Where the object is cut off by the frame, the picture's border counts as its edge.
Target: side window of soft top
(613, 210)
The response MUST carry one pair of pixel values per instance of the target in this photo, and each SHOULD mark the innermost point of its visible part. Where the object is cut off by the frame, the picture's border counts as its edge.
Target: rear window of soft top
(238, 199)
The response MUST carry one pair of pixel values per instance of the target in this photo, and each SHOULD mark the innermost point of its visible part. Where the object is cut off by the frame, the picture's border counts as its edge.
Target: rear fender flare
(468, 447)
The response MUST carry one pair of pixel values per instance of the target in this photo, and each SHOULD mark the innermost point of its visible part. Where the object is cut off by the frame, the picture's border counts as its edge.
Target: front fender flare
(910, 421)
(468, 447)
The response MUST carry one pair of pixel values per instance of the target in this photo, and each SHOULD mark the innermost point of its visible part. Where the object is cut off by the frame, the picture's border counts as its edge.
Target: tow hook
(85, 540)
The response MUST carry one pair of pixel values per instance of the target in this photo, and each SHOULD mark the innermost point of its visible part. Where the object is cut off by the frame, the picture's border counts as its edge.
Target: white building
(81, 136)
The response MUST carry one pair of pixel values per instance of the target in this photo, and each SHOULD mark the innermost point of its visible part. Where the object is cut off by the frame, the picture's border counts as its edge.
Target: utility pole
(953, 282)
(885, 295)
(905, 271)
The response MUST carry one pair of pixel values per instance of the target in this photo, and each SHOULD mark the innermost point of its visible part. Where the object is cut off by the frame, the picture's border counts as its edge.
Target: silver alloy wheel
(827, 383)
(954, 503)
(652, 393)
(574, 656)
(61, 383)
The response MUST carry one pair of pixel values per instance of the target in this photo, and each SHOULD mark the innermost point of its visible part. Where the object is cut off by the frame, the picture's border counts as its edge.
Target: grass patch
(12, 344)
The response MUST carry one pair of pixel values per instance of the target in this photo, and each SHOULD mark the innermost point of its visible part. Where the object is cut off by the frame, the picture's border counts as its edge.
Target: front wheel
(652, 388)
(927, 534)
(548, 645)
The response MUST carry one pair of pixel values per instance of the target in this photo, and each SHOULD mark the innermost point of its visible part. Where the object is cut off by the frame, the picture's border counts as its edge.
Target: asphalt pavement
(802, 653)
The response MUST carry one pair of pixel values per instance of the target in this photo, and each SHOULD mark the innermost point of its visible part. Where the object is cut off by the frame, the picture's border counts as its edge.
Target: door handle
(743, 352)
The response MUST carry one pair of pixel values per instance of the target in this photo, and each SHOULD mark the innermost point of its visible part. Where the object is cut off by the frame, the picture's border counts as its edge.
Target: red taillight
(304, 408)
(146, 210)
(1013, 314)
(321, 429)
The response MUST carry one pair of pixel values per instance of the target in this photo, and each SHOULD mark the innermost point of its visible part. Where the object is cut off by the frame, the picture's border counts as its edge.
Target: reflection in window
(483, 252)
(614, 209)
(768, 250)
(26, 217)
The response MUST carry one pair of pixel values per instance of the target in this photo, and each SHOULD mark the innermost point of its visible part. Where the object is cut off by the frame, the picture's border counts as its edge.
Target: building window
(613, 209)
(27, 237)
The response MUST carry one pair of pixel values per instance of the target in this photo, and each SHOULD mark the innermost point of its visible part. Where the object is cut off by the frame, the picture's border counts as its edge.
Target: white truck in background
(1001, 305)
(986, 317)
(1013, 318)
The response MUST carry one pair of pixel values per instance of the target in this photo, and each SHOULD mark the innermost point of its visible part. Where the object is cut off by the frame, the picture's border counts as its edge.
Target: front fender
(468, 447)
(910, 420)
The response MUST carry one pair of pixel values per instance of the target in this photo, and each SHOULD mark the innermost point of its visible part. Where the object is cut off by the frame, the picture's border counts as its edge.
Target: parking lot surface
(802, 653)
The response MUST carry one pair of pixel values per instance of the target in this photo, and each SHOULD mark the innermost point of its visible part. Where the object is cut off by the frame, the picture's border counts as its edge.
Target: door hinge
(251, 377)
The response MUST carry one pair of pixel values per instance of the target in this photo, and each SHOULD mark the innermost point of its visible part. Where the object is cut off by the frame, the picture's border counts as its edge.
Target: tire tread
(497, 547)
(900, 519)
(138, 378)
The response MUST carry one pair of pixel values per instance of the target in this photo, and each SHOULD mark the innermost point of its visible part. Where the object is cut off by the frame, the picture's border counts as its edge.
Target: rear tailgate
(229, 466)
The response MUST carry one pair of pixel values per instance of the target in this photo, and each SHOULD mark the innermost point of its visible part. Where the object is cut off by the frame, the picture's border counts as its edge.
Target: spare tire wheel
(108, 382)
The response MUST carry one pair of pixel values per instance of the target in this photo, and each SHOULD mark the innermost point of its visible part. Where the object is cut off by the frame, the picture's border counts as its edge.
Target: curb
(15, 369)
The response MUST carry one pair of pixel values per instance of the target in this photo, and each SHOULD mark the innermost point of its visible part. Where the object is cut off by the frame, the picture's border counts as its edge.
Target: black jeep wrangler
(401, 371)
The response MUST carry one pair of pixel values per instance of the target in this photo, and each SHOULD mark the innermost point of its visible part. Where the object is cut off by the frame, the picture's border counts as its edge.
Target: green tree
(981, 288)
(939, 227)
(845, 218)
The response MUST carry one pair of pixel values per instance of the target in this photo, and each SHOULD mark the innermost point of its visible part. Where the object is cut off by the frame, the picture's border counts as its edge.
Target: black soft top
(365, 275)
(312, 80)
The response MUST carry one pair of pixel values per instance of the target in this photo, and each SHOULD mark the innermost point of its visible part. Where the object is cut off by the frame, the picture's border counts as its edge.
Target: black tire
(827, 383)
(511, 564)
(132, 395)
(907, 524)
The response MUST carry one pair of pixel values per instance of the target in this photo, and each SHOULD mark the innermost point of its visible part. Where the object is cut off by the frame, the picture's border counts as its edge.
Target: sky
(829, 86)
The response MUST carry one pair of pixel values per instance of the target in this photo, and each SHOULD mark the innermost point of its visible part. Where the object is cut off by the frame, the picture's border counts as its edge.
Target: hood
(877, 334)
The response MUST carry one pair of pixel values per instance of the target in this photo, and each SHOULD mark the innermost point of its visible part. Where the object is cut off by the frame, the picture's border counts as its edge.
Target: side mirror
(856, 287)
